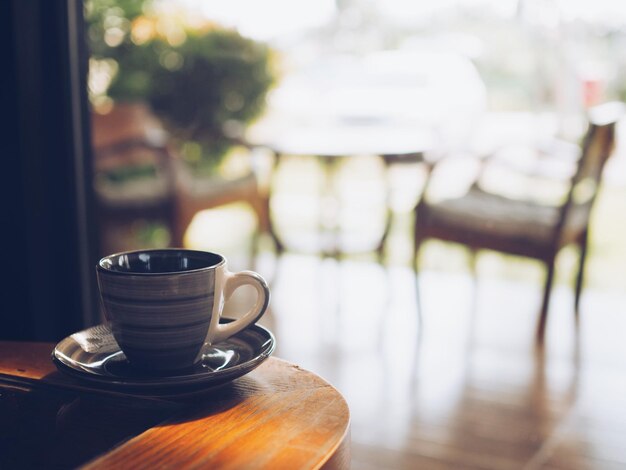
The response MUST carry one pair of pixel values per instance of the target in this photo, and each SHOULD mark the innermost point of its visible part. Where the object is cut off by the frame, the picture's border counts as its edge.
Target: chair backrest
(597, 147)
(130, 145)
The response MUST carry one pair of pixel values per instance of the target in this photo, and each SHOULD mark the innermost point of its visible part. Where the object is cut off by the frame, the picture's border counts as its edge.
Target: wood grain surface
(278, 416)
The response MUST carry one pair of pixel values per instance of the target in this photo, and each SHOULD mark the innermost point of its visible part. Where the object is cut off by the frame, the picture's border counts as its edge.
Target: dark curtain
(48, 250)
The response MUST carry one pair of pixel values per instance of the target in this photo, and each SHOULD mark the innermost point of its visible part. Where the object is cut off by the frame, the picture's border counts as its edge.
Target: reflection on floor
(462, 387)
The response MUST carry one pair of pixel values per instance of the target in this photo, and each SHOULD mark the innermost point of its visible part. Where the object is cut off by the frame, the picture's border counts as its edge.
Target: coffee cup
(164, 306)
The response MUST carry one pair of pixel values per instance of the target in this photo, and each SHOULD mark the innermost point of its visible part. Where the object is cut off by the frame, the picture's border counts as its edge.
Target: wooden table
(278, 416)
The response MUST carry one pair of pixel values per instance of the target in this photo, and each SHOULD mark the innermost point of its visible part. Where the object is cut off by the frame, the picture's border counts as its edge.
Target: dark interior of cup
(160, 261)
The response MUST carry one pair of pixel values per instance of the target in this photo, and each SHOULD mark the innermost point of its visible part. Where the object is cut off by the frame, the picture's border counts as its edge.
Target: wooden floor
(457, 388)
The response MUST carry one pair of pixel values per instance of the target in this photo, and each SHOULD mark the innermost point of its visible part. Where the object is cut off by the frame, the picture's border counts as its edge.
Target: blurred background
(298, 137)
(471, 75)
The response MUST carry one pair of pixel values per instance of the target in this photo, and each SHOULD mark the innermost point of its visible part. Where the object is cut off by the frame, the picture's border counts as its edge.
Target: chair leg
(417, 243)
(472, 254)
(472, 261)
(543, 315)
(177, 236)
(417, 239)
(581, 273)
(418, 299)
(419, 340)
(179, 220)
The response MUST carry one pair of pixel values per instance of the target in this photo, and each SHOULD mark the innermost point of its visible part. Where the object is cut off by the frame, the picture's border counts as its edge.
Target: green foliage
(204, 84)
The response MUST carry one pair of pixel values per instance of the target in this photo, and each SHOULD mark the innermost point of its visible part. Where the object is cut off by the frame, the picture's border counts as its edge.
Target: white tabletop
(341, 140)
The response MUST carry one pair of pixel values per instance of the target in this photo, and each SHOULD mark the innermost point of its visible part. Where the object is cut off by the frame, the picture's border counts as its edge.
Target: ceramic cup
(164, 305)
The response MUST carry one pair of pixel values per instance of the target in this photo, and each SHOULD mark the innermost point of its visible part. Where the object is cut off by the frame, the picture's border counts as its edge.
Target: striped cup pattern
(159, 304)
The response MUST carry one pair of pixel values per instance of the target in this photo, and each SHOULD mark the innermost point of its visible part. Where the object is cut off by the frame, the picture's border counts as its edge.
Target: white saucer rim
(189, 380)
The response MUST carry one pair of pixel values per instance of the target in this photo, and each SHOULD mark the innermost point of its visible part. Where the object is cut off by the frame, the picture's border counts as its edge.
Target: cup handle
(232, 282)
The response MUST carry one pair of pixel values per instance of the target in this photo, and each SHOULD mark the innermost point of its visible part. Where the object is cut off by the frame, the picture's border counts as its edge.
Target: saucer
(94, 356)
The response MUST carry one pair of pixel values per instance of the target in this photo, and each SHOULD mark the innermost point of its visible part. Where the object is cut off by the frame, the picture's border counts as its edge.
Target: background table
(330, 142)
(278, 416)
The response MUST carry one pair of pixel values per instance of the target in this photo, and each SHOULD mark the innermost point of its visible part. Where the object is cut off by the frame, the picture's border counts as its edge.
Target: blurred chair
(138, 177)
(480, 219)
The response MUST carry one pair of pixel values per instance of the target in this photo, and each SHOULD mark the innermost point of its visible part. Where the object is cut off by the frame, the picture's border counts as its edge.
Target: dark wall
(47, 228)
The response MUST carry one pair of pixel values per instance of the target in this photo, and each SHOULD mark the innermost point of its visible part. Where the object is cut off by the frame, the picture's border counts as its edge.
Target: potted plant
(203, 81)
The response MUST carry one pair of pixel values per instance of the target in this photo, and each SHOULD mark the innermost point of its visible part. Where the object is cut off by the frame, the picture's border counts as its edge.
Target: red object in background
(593, 91)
